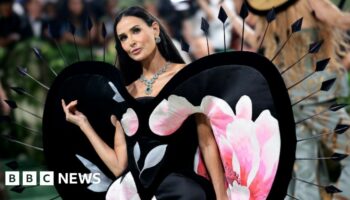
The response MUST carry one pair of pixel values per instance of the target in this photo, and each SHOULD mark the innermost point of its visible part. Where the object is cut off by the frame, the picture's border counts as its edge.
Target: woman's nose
(132, 42)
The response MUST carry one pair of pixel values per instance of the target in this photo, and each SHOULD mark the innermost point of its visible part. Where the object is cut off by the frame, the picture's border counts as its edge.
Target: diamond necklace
(149, 83)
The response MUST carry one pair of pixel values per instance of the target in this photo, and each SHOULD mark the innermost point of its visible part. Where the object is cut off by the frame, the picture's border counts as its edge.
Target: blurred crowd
(52, 21)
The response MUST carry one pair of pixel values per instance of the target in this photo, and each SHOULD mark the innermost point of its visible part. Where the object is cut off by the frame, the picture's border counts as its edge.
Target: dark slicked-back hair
(131, 69)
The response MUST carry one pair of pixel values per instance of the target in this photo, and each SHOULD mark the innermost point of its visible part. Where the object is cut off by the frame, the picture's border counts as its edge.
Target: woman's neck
(151, 65)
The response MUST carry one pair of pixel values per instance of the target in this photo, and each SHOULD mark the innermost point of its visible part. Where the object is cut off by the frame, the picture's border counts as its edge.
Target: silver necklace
(149, 83)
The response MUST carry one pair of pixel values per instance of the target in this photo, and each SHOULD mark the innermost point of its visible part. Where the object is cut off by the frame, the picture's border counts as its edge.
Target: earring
(158, 39)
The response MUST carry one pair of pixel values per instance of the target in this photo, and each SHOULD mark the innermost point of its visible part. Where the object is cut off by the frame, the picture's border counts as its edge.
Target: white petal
(219, 113)
(169, 115)
(104, 183)
(154, 157)
(130, 122)
(124, 188)
(137, 153)
(117, 97)
(244, 108)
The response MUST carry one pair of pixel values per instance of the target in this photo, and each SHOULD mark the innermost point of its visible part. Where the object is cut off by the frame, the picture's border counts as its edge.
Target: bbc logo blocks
(29, 178)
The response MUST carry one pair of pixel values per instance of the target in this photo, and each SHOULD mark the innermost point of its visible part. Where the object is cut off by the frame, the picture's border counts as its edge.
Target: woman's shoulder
(178, 67)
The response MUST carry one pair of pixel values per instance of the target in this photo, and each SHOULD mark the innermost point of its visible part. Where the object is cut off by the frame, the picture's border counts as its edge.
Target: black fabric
(224, 75)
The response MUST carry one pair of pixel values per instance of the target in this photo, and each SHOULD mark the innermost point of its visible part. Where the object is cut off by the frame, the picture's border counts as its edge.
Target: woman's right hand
(73, 115)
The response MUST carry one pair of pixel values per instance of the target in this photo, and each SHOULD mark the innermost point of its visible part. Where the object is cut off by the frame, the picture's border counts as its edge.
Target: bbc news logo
(30, 178)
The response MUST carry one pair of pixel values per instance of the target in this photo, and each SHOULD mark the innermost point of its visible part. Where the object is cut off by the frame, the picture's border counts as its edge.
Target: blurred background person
(76, 12)
(37, 25)
(12, 26)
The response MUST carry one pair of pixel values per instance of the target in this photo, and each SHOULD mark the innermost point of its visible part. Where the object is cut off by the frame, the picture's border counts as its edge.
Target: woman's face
(136, 37)
(76, 7)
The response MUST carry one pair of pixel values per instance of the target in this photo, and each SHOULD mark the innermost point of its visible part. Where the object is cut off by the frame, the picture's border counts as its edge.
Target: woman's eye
(122, 38)
(136, 30)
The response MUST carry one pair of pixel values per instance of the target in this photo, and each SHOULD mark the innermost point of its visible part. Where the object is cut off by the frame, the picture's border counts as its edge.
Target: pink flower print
(168, 116)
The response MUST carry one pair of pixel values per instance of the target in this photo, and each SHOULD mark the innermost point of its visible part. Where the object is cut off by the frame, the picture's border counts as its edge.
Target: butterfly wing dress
(241, 93)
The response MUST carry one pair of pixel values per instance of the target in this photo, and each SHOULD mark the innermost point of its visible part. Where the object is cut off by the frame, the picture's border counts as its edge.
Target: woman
(76, 12)
(148, 60)
(321, 21)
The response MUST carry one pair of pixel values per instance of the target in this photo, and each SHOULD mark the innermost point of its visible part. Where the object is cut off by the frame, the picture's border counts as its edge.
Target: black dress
(161, 134)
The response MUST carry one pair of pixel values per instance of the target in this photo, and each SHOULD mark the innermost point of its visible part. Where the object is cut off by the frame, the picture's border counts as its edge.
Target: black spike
(336, 107)
(341, 128)
(89, 27)
(332, 189)
(89, 23)
(37, 53)
(296, 26)
(279, 50)
(308, 96)
(244, 11)
(301, 180)
(271, 15)
(7, 119)
(292, 65)
(54, 34)
(222, 15)
(22, 91)
(332, 108)
(13, 165)
(338, 156)
(326, 85)
(18, 189)
(184, 46)
(71, 28)
(104, 35)
(322, 64)
(297, 83)
(18, 90)
(22, 71)
(335, 157)
(315, 47)
(341, 4)
(205, 26)
(104, 30)
(205, 29)
(11, 103)
(40, 57)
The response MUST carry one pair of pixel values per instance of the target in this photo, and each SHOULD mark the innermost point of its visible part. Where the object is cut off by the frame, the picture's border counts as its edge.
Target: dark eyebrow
(136, 26)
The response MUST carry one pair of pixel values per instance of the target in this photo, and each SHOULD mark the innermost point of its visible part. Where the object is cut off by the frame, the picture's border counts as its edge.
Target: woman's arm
(115, 159)
(211, 155)
(327, 12)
